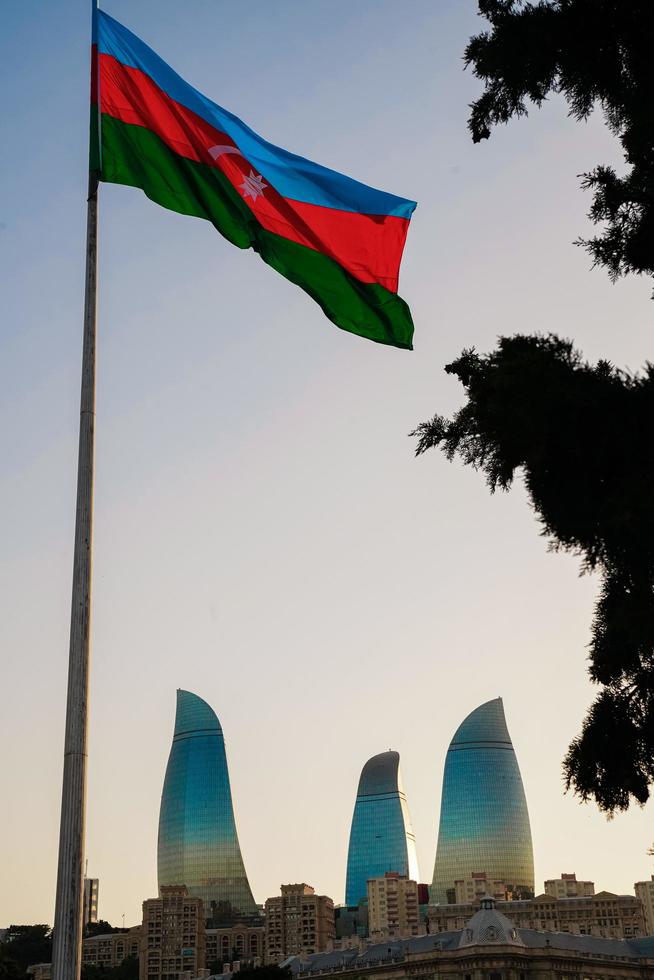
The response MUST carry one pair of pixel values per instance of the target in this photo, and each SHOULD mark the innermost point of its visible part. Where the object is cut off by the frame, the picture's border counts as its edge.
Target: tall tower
(484, 824)
(381, 838)
(198, 844)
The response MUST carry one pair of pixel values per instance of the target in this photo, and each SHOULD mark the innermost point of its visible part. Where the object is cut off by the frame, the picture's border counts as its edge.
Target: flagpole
(67, 936)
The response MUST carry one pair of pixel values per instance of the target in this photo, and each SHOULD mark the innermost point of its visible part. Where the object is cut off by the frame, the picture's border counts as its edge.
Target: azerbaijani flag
(337, 239)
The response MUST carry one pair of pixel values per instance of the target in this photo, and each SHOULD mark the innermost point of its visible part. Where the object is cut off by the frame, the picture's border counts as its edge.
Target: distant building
(298, 923)
(351, 921)
(603, 915)
(381, 836)
(111, 949)
(91, 889)
(198, 845)
(40, 971)
(475, 886)
(489, 946)
(393, 906)
(567, 886)
(645, 892)
(484, 822)
(173, 935)
(423, 893)
(105, 951)
(242, 942)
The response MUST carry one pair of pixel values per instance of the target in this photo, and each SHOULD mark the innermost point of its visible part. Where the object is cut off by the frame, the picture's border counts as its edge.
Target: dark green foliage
(27, 945)
(581, 437)
(100, 928)
(127, 970)
(9, 968)
(596, 53)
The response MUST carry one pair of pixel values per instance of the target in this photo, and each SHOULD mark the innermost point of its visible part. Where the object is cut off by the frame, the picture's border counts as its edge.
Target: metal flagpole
(67, 936)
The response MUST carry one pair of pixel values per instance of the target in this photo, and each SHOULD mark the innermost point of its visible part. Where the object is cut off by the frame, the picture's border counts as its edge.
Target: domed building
(488, 927)
(489, 947)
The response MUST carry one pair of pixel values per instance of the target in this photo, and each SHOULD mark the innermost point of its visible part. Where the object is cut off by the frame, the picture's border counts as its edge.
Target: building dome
(488, 927)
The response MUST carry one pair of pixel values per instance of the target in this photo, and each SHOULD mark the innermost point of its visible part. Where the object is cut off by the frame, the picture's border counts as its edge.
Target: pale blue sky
(264, 536)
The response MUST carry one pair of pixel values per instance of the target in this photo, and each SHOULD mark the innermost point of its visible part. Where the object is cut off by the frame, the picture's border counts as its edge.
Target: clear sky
(264, 536)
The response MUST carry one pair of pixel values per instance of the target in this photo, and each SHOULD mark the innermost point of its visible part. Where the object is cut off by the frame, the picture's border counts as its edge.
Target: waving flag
(339, 240)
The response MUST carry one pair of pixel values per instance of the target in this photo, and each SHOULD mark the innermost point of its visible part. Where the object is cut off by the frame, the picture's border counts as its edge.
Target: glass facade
(484, 822)
(198, 844)
(381, 838)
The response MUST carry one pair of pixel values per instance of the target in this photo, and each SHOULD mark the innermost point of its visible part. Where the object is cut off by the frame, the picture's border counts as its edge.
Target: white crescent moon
(217, 151)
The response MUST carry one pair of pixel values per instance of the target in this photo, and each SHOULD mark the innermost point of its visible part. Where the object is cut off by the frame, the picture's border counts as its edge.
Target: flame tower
(381, 838)
(484, 822)
(198, 844)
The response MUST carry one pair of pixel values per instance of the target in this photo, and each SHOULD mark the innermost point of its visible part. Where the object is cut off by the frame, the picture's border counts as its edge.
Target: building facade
(645, 892)
(91, 892)
(567, 886)
(172, 935)
(476, 886)
(381, 837)
(243, 943)
(604, 915)
(39, 971)
(112, 948)
(393, 910)
(488, 947)
(298, 923)
(484, 822)
(198, 845)
(351, 921)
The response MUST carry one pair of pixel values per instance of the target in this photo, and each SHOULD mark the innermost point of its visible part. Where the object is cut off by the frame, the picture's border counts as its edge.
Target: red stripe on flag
(94, 74)
(369, 247)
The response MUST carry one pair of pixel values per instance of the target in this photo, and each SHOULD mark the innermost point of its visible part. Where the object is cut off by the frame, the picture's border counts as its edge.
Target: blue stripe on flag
(292, 176)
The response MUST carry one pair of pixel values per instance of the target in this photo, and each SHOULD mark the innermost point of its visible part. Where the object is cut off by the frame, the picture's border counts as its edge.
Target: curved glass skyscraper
(381, 838)
(484, 824)
(198, 844)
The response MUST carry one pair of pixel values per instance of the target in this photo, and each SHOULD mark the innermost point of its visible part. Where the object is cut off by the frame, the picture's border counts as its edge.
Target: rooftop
(487, 927)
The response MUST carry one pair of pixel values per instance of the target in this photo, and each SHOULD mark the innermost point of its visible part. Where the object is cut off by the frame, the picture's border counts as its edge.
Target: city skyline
(263, 533)
(192, 711)
(197, 794)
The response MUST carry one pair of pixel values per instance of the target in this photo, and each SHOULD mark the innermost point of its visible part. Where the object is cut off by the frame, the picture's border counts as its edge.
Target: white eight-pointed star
(253, 186)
